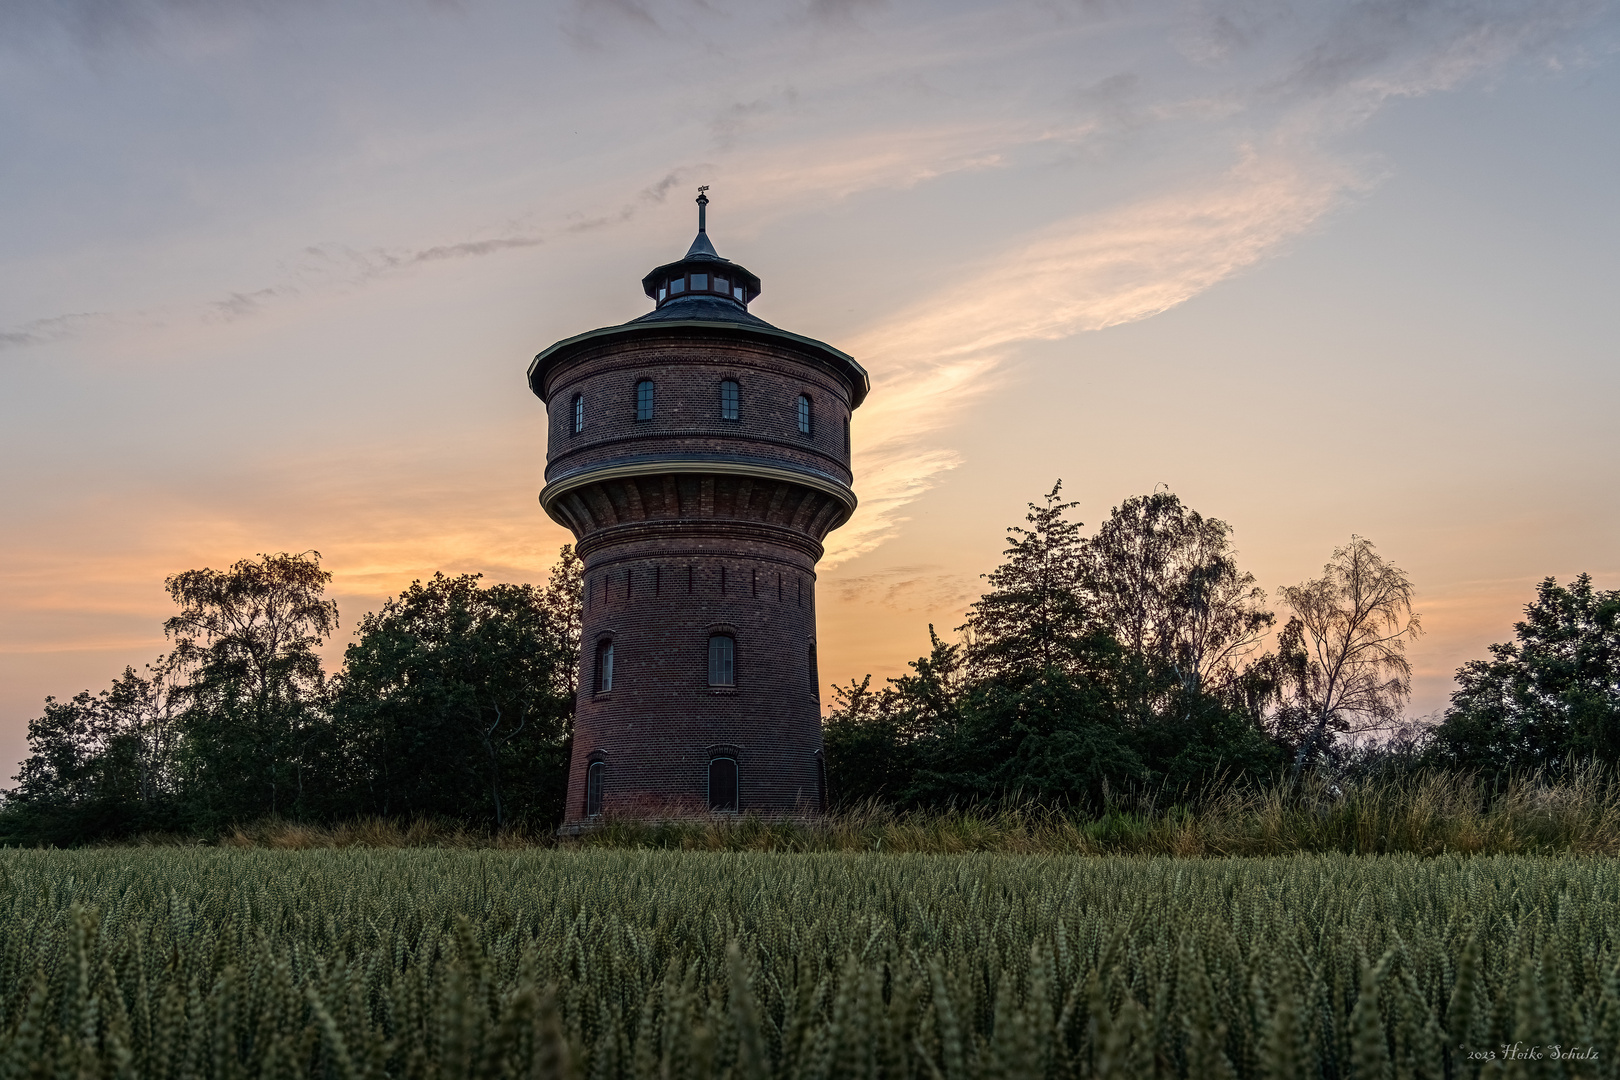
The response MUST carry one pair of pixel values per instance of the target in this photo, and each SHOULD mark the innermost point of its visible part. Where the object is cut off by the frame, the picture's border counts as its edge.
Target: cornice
(693, 465)
(839, 360)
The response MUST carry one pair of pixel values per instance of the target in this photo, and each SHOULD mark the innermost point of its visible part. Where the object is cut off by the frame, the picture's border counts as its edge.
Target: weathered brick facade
(693, 524)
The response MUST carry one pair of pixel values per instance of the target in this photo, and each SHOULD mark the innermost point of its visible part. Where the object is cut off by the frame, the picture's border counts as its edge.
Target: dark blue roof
(713, 308)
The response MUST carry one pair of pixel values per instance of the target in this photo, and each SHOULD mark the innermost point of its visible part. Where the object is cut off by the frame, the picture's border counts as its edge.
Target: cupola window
(644, 399)
(700, 282)
(677, 285)
(721, 285)
(729, 397)
(804, 414)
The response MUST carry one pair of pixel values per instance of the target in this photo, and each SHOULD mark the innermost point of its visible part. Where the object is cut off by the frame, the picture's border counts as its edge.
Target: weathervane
(703, 203)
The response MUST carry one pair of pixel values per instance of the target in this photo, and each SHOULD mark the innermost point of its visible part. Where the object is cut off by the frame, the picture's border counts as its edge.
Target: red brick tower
(699, 455)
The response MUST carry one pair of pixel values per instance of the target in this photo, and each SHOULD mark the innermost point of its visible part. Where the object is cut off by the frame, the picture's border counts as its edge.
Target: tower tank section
(700, 456)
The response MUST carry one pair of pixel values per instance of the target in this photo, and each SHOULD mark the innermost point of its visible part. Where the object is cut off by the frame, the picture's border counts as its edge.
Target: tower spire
(701, 247)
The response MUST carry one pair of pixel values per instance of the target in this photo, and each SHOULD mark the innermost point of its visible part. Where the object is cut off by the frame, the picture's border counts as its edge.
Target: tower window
(700, 282)
(579, 413)
(604, 666)
(677, 285)
(723, 785)
(644, 400)
(721, 285)
(729, 397)
(595, 776)
(737, 291)
(722, 660)
(804, 414)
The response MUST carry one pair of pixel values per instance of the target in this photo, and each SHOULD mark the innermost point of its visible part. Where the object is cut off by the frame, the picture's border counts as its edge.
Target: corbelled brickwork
(692, 524)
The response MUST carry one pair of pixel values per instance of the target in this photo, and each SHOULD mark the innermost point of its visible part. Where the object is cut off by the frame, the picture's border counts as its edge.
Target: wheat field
(220, 963)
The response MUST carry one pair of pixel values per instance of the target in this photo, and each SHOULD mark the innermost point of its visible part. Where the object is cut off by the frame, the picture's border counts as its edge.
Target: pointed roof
(730, 303)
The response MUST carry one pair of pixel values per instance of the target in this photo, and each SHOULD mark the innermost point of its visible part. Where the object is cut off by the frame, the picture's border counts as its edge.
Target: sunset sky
(270, 276)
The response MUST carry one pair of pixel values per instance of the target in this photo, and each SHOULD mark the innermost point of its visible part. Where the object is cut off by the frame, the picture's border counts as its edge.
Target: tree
(1034, 618)
(563, 604)
(1552, 694)
(1345, 648)
(1164, 579)
(457, 699)
(254, 703)
(99, 765)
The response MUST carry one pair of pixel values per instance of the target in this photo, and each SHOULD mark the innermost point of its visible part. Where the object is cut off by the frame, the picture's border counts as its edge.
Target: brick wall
(673, 557)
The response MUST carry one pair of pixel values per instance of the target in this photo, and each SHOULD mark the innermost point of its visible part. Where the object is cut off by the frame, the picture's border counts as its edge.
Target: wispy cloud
(1096, 271)
(54, 328)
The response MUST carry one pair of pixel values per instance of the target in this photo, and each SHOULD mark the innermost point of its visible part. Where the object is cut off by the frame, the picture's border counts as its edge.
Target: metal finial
(703, 205)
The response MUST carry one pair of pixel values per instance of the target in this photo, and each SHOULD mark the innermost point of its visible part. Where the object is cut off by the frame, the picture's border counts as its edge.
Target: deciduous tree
(1344, 651)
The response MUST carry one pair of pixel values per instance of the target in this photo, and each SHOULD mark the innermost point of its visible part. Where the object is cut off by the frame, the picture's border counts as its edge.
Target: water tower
(700, 456)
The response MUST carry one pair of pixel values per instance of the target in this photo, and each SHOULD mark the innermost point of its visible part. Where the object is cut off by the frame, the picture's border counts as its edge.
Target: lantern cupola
(702, 275)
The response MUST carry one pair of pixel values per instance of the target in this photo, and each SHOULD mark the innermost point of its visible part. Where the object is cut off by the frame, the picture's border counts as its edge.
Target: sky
(271, 275)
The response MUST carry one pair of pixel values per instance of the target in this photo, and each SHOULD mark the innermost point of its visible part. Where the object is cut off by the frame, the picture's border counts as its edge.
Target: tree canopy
(1550, 696)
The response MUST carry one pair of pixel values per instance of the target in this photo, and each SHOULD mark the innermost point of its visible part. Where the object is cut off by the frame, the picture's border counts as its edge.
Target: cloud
(927, 587)
(931, 361)
(54, 328)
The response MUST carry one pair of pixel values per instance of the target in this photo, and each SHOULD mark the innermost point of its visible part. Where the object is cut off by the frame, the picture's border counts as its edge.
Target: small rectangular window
(722, 285)
(722, 660)
(663, 292)
(677, 285)
(644, 400)
(604, 667)
(737, 291)
(804, 414)
(729, 395)
(700, 282)
(579, 413)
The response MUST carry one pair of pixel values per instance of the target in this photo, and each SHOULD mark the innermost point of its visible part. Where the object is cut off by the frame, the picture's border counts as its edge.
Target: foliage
(1035, 619)
(216, 964)
(1344, 666)
(101, 765)
(254, 721)
(1165, 582)
(457, 700)
(1552, 695)
(1088, 667)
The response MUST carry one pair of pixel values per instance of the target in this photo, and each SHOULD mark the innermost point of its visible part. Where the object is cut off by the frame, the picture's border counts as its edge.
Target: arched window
(722, 660)
(595, 776)
(729, 397)
(579, 413)
(604, 666)
(644, 399)
(804, 414)
(723, 784)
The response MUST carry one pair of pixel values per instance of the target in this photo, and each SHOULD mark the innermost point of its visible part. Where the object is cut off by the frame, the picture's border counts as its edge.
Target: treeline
(1137, 659)
(455, 700)
(1131, 661)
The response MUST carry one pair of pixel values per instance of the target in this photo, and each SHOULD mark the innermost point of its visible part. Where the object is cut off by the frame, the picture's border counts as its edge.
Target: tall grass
(1425, 814)
(246, 964)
